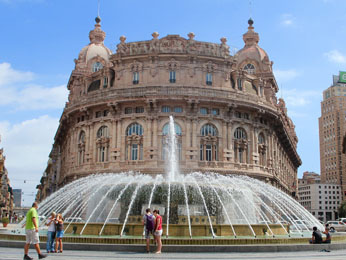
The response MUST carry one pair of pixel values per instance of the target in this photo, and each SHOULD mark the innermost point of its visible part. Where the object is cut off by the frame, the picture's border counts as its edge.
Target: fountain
(193, 205)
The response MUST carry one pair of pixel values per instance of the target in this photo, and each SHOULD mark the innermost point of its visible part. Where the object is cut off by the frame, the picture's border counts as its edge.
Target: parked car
(336, 226)
(342, 220)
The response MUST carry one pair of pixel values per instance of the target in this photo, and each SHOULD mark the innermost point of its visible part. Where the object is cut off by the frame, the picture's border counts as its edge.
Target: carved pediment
(173, 44)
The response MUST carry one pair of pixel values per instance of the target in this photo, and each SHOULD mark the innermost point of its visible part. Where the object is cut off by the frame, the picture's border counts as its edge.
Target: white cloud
(287, 20)
(26, 147)
(10, 76)
(335, 56)
(285, 75)
(18, 93)
(299, 98)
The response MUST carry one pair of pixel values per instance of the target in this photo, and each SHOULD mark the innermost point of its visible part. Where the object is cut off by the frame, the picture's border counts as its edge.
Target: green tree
(342, 209)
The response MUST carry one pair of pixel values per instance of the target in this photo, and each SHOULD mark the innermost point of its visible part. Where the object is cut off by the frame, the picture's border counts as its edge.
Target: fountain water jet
(233, 206)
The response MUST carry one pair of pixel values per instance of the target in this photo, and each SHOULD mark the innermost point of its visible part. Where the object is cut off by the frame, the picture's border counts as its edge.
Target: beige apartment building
(228, 118)
(320, 199)
(332, 127)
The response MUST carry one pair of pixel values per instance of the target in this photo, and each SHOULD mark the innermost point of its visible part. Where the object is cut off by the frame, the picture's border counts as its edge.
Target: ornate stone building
(6, 194)
(227, 115)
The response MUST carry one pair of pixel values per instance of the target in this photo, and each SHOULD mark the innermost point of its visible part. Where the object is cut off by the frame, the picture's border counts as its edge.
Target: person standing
(31, 232)
(59, 232)
(51, 233)
(148, 222)
(158, 230)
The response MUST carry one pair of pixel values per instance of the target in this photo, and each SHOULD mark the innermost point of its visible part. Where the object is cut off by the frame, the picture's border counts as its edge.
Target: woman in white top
(51, 233)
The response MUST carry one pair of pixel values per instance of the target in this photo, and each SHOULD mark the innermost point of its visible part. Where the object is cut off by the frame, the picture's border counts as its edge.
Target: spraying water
(173, 168)
(204, 198)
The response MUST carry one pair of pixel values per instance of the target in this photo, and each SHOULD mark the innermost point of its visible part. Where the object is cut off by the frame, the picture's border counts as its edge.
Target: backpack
(149, 225)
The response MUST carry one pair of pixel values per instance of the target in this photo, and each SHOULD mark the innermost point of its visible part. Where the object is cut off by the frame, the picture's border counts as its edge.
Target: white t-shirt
(51, 227)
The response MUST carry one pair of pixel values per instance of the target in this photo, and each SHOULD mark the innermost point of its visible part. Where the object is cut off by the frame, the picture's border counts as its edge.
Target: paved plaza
(17, 253)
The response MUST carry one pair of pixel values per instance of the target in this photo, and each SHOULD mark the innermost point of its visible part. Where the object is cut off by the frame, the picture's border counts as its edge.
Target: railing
(176, 91)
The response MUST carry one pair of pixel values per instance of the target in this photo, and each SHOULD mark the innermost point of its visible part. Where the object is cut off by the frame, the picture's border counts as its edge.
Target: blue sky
(41, 38)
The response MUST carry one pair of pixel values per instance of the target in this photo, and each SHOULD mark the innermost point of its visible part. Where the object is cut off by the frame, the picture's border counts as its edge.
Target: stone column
(188, 134)
(224, 141)
(194, 133)
(119, 134)
(155, 137)
(114, 133)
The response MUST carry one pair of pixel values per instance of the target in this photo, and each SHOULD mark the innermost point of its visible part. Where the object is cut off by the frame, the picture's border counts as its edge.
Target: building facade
(320, 199)
(17, 198)
(6, 194)
(332, 128)
(228, 118)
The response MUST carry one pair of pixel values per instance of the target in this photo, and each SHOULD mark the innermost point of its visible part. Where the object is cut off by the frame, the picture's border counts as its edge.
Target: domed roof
(251, 50)
(92, 50)
(96, 46)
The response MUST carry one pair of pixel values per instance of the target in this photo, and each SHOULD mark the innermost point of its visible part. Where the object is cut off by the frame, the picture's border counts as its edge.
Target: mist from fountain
(228, 200)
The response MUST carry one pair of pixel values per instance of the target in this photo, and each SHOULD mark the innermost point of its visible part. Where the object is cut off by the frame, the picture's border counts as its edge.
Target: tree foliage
(342, 210)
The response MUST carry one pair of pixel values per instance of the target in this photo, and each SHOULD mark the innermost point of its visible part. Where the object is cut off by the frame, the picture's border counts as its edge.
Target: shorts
(158, 233)
(148, 233)
(60, 234)
(32, 236)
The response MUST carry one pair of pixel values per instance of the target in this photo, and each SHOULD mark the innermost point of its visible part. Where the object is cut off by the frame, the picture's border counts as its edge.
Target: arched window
(134, 142)
(165, 141)
(209, 143)
(262, 148)
(102, 144)
(102, 132)
(97, 66)
(249, 68)
(240, 146)
(81, 147)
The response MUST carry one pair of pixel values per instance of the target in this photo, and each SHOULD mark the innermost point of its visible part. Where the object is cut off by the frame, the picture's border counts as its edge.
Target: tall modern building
(228, 118)
(332, 127)
(17, 194)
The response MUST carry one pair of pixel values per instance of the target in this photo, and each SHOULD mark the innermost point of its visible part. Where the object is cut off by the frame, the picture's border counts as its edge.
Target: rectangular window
(105, 112)
(203, 110)
(165, 109)
(102, 154)
(105, 82)
(201, 155)
(139, 110)
(208, 152)
(209, 79)
(215, 111)
(240, 87)
(134, 152)
(172, 76)
(178, 109)
(98, 114)
(240, 155)
(135, 77)
(128, 110)
(237, 114)
(215, 153)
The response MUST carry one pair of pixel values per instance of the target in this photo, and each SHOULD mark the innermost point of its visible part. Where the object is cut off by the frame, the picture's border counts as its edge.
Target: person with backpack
(148, 222)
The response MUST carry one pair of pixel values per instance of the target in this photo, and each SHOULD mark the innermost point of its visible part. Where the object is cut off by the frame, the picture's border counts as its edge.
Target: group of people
(317, 236)
(55, 225)
(153, 226)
